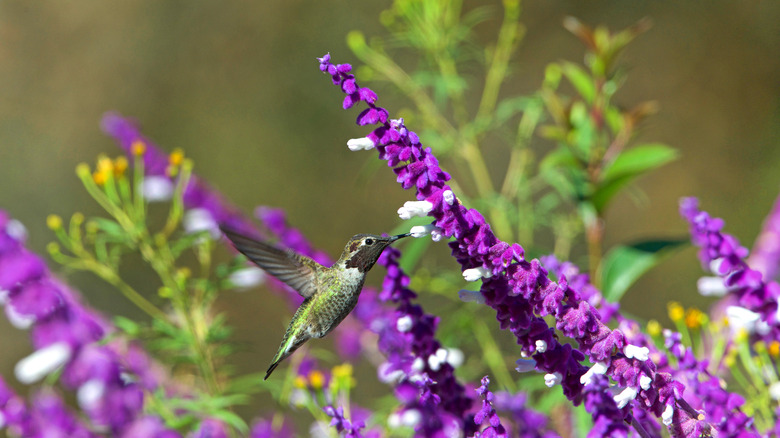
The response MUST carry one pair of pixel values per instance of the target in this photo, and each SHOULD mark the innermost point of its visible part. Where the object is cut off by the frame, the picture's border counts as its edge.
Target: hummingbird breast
(337, 295)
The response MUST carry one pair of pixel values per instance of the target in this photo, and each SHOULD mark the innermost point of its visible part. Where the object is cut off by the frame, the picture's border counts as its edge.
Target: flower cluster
(109, 378)
(517, 289)
(723, 255)
(487, 414)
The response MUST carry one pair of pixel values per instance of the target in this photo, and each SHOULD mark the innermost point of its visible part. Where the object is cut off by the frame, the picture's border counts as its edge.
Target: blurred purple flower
(210, 428)
(266, 429)
(350, 429)
(723, 255)
(66, 334)
(765, 257)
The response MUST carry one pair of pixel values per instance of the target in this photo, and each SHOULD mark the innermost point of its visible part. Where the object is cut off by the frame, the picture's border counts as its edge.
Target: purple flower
(148, 426)
(210, 428)
(65, 334)
(268, 429)
(724, 256)
(487, 415)
(607, 418)
(416, 167)
(765, 257)
(350, 429)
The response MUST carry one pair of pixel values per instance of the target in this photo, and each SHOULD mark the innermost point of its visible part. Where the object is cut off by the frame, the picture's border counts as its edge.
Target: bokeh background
(236, 85)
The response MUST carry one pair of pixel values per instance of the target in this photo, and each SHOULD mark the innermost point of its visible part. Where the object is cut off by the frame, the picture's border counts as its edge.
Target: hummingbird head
(363, 250)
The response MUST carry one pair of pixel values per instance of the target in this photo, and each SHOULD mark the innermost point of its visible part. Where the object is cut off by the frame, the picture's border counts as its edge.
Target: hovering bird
(330, 292)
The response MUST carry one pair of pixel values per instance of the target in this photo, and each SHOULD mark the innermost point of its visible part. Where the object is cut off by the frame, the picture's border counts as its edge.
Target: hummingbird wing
(293, 269)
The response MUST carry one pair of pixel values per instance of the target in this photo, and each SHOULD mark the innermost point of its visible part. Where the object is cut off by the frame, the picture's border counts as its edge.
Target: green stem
(493, 356)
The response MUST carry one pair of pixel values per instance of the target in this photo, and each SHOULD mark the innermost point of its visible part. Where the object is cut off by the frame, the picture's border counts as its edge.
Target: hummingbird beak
(400, 236)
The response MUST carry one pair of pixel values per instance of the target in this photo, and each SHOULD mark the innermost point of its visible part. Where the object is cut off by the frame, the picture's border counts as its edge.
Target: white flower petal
(471, 295)
(42, 362)
(711, 286)
(597, 368)
(475, 274)
(360, 144)
(157, 188)
(455, 357)
(553, 379)
(667, 415)
(411, 417)
(525, 365)
(774, 391)
(199, 219)
(90, 393)
(633, 351)
(414, 208)
(404, 324)
(19, 321)
(247, 277)
(541, 346)
(625, 396)
(449, 197)
(644, 382)
(16, 230)
(740, 318)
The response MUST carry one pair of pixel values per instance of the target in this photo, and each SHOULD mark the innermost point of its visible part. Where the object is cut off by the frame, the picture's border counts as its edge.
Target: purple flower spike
(350, 429)
(265, 429)
(765, 257)
(487, 415)
(523, 284)
(724, 256)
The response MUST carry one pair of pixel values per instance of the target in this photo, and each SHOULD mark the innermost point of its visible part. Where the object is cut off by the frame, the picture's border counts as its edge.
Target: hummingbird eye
(369, 241)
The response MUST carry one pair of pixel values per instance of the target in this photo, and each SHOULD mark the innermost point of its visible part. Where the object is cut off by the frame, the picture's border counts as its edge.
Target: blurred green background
(237, 86)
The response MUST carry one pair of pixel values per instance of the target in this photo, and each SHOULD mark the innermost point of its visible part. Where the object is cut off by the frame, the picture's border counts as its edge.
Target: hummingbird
(330, 293)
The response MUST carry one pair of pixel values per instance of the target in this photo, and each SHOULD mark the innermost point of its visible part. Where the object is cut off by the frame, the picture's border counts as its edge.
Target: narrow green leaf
(625, 264)
(628, 166)
(581, 80)
(640, 159)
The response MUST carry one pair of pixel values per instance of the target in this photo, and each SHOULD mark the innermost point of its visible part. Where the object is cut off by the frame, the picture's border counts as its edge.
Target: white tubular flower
(404, 324)
(418, 364)
(360, 144)
(437, 359)
(42, 362)
(475, 274)
(597, 368)
(157, 188)
(774, 391)
(644, 382)
(471, 295)
(424, 230)
(449, 197)
(541, 346)
(247, 277)
(715, 265)
(90, 393)
(199, 219)
(19, 321)
(455, 357)
(740, 318)
(711, 286)
(525, 365)
(414, 208)
(625, 396)
(667, 415)
(552, 379)
(411, 418)
(16, 230)
(634, 352)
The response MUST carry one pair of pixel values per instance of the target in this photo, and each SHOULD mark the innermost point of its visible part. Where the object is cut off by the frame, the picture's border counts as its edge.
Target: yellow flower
(299, 382)
(138, 148)
(693, 318)
(343, 370)
(120, 165)
(316, 380)
(654, 327)
(676, 311)
(774, 349)
(54, 222)
(176, 157)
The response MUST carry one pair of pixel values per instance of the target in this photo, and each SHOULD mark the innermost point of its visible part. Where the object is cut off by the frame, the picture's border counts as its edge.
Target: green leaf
(640, 159)
(628, 166)
(127, 325)
(581, 80)
(625, 264)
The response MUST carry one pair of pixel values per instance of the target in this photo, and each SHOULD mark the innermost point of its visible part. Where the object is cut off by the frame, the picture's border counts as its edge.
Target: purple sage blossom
(512, 277)
(487, 415)
(723, 255)
(765, 257)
